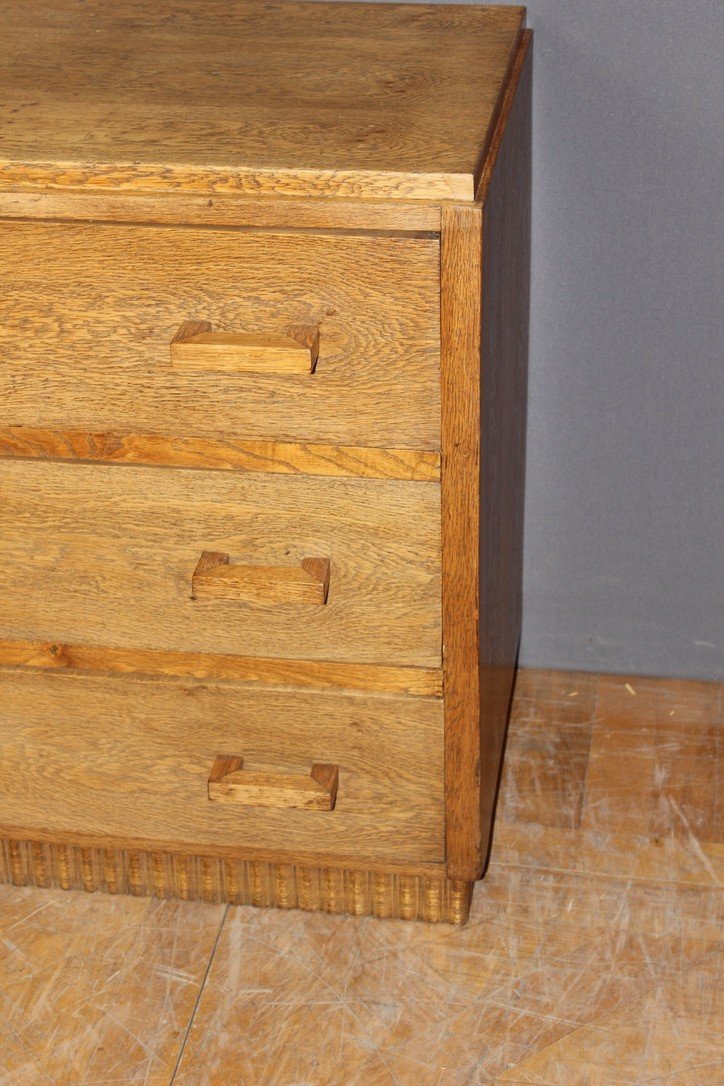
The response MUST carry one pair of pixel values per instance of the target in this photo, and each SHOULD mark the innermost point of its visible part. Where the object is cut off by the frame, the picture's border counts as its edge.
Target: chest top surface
(302, 99)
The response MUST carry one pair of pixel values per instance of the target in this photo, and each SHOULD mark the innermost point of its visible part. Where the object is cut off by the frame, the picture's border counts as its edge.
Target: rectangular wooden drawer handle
(197, 347)
(229, 782)
(216, 577)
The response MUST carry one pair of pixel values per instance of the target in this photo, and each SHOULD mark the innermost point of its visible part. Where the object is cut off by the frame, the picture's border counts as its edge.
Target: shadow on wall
(623, 514)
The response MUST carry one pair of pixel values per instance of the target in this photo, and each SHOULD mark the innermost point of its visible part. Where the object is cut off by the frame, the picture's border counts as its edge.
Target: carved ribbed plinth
(241, 882)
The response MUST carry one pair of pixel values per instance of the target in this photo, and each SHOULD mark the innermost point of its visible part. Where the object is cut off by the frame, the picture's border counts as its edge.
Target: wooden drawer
(88, 313)
(129, 760)
(110, 556)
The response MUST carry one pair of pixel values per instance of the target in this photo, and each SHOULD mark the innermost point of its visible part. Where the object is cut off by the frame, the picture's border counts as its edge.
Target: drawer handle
(216, 577)
(229, 782)
(197, 347)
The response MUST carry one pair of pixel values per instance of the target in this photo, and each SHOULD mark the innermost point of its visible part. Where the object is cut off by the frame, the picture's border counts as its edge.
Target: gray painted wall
(623, 552)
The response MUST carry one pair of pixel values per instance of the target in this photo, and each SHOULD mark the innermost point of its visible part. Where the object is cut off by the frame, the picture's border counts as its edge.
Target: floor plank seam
(591, 955)
(197, 1001)
(592, 1023)
(581, 872)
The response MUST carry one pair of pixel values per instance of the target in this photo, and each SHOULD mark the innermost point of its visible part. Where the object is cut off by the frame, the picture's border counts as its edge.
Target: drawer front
(296, 567)
(88, 315)
(131, 759)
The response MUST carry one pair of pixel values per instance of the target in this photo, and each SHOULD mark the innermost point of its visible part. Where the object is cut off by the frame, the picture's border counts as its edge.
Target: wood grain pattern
(197, 347)
(105, 103)
(624, 771)
(270, 671)
(268, 213)
(143, 774)
(460, 489)
(192, 877)
(485, 285)
(230, 782)
(216, 577)
(592, 953)
(339, 184)
(112, 559)
(571, 970)
(336, 861)
(102, 966)
(290, 336)
(281, 458)
(375, 301)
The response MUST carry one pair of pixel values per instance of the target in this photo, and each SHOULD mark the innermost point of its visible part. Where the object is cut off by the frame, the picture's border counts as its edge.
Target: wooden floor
(591, 955)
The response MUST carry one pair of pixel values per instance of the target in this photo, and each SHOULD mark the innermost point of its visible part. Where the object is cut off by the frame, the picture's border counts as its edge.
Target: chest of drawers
(263, 342)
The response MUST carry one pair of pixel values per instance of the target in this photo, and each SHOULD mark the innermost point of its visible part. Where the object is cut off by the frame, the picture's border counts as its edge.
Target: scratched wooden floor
(591, 956)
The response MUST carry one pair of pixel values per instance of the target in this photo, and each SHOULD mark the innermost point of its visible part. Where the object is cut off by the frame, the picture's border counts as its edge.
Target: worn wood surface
(85, 334)
(277, 457)
(271, 671)
(197, 347)
(98, 96)
(133, 758)
(111, 562)
(217, 577)
(98, 989)
(270, 213)
(626, 780)
(230, 782)
(562, 977)
(592, 954)
(204, 875)
(390, 894)
(460, 490)
(484, 345)
(355, 356)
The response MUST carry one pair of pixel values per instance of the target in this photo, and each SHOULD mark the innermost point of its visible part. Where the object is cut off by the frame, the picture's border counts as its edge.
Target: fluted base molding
(240, 882)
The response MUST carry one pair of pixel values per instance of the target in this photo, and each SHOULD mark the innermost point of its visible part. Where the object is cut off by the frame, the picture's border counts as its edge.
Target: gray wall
(623, 558)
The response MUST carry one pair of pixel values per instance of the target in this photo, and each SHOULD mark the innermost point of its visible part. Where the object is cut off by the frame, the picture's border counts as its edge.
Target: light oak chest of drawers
(263, 342)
